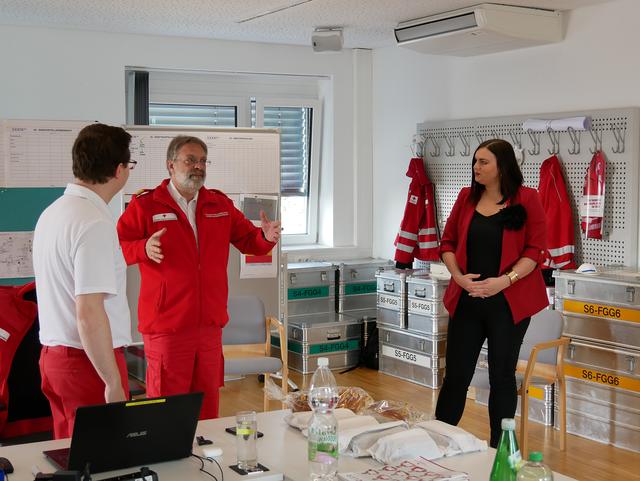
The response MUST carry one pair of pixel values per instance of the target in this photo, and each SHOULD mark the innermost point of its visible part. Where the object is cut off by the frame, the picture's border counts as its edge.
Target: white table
(282, 449)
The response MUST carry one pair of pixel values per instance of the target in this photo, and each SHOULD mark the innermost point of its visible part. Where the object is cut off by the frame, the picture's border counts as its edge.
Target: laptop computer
(131, 433)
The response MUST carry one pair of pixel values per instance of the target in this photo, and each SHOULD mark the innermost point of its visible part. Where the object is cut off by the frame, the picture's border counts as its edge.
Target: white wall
(596, 66)
(73, 74)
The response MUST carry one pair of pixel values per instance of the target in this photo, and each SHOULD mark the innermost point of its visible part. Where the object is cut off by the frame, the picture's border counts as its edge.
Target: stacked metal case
(334, 336)
(601, 315)
(357, 286)
(310, 288)
(313, 327)
(357, 292)
(412, 325)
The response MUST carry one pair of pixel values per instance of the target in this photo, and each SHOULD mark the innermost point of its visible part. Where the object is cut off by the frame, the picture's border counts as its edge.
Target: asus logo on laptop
(136, 434)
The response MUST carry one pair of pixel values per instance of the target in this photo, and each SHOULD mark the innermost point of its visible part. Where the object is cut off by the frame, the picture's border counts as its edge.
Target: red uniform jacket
(418, 236)
(189, 287)
(528, 295)
(17, 316)
(557, 207)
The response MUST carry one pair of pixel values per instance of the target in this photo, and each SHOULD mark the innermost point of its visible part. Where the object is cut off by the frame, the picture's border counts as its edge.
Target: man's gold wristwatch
(513, 276)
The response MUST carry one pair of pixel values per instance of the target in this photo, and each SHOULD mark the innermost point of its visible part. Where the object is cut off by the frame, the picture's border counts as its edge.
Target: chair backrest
(545, 326)
(247, 322)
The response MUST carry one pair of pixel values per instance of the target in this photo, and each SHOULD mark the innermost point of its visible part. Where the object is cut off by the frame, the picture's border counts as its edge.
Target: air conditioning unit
(485, 28)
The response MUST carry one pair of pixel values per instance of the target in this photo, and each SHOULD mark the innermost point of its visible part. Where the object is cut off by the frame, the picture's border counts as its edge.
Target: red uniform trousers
(186, 361)
(69, 381)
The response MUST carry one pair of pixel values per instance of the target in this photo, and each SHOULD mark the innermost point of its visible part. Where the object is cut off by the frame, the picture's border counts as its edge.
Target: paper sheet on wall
(241, 162)
(37, 153)
(3, 164)
(16, 254)
(265, 266)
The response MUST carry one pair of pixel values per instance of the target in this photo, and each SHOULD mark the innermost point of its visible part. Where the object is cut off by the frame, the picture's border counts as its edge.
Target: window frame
(311, 237)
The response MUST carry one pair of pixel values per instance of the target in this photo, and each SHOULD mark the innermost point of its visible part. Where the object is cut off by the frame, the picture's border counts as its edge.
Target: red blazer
(528, 295)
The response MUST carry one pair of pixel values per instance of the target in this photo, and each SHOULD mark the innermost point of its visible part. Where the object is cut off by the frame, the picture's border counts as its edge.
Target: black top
(484, 245)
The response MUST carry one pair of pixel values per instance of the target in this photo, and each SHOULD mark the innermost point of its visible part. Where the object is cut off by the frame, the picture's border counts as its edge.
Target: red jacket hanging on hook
(592, 205)
(418, 235)
(557, 209)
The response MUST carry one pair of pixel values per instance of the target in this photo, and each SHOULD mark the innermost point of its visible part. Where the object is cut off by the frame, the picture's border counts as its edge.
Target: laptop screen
(134, 433)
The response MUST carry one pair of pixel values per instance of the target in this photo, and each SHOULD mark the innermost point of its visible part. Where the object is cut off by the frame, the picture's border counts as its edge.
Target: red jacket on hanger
(17, 315)
(557, 208)
(418, 235)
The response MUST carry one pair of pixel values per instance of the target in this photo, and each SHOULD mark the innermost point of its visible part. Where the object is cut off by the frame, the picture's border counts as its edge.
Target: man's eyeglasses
(132, 164)
(191, 161)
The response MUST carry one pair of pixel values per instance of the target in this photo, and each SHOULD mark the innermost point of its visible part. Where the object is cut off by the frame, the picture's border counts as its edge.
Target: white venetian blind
(182, 115)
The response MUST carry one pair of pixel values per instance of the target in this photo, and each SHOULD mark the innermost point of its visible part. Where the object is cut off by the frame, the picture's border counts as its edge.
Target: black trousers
(477, 319)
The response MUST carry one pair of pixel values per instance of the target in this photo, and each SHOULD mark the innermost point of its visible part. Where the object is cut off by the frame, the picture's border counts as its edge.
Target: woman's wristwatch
(513, 276)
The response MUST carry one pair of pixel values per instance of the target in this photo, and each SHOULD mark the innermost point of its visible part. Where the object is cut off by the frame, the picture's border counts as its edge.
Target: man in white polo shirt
(81, 283)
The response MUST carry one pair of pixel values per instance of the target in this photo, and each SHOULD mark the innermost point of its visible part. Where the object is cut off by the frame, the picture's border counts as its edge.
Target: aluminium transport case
(311, 288)
(602, 307)
(392, 297)
(334, 336)
(357, 286)
(425, 311)
(603, 393)
(413, 357)
(601, 313)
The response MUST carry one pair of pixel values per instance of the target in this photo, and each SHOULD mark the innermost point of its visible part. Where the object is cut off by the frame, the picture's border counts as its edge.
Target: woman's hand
(489, 287)
(466, 281)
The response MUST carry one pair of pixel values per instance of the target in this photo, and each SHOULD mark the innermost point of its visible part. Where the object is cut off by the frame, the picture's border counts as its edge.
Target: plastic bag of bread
(354, 398)
(298, 401)
(350, 397)
(395, 410)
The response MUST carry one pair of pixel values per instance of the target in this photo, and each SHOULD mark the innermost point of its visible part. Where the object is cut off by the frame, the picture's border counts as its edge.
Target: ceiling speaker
(327, 40)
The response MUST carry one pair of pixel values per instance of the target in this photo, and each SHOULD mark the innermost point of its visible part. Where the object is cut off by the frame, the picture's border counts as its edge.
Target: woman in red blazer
(492, 245)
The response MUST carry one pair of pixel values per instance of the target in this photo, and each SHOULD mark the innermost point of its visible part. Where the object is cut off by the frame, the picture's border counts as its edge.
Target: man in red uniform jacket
(179, 234)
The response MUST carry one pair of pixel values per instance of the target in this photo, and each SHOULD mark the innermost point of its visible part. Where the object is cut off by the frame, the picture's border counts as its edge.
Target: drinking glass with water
(246, 432)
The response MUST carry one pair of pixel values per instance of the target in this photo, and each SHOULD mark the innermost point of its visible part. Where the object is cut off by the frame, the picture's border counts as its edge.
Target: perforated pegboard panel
(618, 130)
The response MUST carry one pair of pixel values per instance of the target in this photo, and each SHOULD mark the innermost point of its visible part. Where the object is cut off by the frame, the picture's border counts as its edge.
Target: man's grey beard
(189, 183)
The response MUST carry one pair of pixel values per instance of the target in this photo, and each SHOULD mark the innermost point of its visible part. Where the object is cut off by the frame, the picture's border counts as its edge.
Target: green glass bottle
(508, 458)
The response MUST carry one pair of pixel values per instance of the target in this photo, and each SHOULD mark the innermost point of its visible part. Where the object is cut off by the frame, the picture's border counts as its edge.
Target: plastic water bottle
(535, 469)
(323, 427)
(508, 458)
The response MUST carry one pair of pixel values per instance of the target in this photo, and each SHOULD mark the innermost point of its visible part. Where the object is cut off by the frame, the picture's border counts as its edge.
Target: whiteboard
(243, 161)
(37, 153)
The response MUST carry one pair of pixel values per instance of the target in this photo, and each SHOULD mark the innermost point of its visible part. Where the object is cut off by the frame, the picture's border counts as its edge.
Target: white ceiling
(366, 23)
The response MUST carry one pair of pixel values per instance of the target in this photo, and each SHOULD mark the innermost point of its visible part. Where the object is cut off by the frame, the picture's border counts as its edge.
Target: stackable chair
(246, 341)
(541, 360)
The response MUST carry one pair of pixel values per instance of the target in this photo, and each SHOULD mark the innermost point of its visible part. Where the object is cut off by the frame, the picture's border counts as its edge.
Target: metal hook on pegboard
(451, 144)
(555, 141)
(494, 134)
(479, 137)
(619, 134)
(535, 142)
(516, 139)
(596, 135)
(417, 145)
(465, 143)
(574, 135)
(436, 145)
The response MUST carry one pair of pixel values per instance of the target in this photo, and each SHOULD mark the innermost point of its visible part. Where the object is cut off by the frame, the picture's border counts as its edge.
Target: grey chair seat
(252, 365)
(481, 379)
(248, 327)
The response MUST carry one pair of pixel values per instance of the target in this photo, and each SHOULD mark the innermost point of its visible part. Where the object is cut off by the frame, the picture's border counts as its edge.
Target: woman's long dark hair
(508, 170)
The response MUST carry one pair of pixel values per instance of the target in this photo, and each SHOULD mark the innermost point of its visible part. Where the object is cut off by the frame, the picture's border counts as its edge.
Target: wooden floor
(583, 459)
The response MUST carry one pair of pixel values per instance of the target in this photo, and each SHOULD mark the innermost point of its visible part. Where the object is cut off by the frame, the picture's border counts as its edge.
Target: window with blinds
(182, 115)
(295, 140)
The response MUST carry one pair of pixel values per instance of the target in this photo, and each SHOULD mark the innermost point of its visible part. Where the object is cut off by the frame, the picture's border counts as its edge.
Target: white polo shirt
(76, 251)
